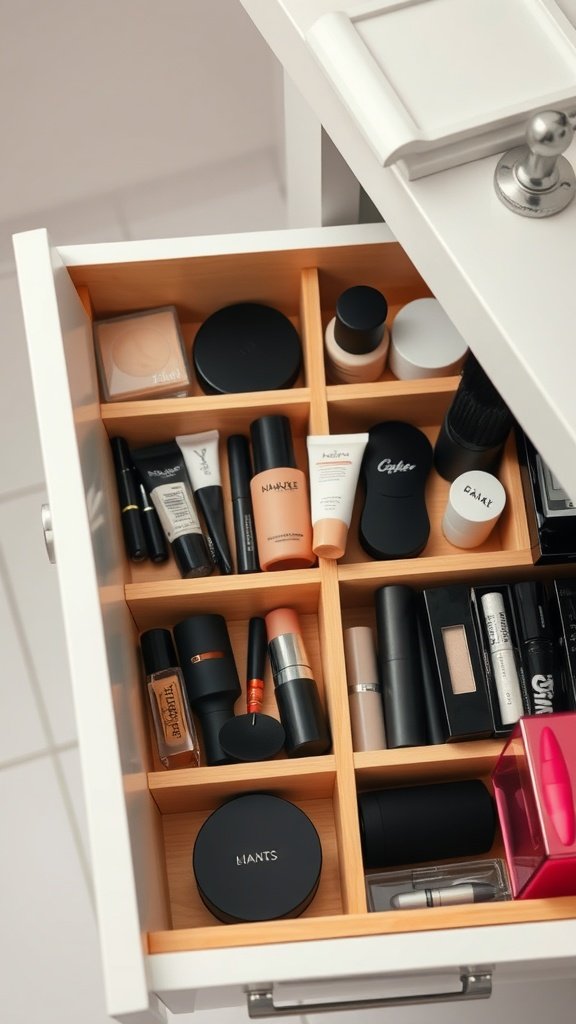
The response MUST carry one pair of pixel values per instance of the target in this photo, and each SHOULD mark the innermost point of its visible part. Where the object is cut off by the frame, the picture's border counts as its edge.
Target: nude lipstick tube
(280, 498)
(364, 690)
(299, 705)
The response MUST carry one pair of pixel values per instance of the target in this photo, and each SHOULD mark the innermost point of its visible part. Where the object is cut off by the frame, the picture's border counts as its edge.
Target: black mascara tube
(129, 497)
(543, 690)
(240, 470)
(155, 540)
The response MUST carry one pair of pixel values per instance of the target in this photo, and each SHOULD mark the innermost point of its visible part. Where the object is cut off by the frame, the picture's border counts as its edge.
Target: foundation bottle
(356, 340)
(173, 726)
(279, 498)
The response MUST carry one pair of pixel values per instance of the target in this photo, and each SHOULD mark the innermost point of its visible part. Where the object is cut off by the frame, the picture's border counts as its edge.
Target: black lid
(272, 443)
(246, 347)
(257, 858)
(158, 650)
(239, 465)
(361, 314)
(192, 556)
(530, 605)
(200, 633)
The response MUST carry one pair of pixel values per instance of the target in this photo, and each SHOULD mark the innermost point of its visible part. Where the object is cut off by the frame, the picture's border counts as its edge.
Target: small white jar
(424, 342)
(475, 504)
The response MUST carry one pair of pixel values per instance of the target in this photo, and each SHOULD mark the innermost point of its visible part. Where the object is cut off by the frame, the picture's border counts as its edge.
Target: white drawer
(158, 941)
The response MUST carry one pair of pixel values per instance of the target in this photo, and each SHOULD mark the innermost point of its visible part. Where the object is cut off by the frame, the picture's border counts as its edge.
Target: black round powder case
(246, 347)
(257, 858)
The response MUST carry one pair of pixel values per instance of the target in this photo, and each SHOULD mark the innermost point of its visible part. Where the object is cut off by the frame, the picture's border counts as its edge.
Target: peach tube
(334, 461)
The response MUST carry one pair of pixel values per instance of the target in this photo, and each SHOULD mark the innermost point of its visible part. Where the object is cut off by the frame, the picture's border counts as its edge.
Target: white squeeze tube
(334, 461)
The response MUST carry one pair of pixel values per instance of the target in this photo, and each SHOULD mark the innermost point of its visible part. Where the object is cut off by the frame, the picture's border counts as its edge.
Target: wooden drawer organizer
(304, 284)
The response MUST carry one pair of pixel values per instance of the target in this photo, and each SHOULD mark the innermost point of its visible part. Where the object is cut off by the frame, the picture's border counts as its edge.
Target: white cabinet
(505, 281)
(160, 946)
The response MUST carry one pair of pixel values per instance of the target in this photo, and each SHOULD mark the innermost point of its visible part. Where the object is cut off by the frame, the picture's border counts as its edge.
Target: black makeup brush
(474, 428)
(253, 736)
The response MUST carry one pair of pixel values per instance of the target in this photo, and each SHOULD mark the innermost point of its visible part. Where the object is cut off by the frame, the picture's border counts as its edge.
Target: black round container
(246, 347)
(425, 823)
(257, 858)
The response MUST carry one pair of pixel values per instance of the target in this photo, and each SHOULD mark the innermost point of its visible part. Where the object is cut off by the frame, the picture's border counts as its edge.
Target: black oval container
(257, 858)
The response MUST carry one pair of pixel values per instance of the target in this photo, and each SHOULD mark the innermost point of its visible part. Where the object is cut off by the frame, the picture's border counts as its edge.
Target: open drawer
(159, 943)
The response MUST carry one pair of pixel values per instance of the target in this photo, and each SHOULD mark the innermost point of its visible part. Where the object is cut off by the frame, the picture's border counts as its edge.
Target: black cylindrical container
(211, 677)
(426, 823)
(299, 705)
(401, 667)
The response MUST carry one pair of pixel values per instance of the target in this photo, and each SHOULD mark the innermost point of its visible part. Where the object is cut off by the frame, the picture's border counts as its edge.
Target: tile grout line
(45, 723)
(37, 755)
(23, 492)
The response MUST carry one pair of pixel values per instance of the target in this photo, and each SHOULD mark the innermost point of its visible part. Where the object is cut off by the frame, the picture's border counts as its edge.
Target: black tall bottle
(210, 675)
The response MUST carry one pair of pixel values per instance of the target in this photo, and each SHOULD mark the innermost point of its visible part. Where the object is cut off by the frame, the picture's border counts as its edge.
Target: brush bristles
(478, 415)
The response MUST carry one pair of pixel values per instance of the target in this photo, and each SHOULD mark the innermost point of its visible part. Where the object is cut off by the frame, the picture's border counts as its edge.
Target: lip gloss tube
(299, 705)
(502, 658)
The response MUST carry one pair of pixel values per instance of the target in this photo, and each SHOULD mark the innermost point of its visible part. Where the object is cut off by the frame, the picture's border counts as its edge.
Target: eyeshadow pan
(458, 657)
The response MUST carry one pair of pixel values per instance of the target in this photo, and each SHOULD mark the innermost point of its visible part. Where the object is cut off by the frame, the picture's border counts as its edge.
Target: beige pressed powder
(141, 355)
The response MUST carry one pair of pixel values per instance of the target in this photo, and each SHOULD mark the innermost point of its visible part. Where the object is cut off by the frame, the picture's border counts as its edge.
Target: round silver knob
(48, 533)
(535, 180)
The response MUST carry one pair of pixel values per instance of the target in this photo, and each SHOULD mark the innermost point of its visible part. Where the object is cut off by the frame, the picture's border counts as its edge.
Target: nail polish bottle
(356, 339)
(279, 498)
(173, 726)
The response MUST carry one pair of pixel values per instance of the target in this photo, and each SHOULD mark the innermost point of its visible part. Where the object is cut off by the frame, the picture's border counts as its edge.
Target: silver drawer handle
(48, 533)
(474, 986)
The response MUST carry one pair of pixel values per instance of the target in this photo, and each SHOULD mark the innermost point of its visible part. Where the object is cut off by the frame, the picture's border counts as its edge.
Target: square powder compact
(141, 355)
